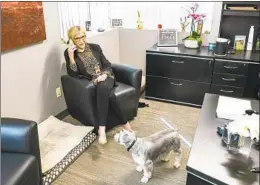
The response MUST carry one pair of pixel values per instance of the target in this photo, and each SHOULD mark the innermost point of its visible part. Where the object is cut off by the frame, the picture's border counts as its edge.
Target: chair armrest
(76, 89)
(128, 75)
(80, 96)
(77, 82)
(20, 136)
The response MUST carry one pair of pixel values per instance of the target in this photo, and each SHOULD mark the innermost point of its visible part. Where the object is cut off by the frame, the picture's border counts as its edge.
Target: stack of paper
(231, 108)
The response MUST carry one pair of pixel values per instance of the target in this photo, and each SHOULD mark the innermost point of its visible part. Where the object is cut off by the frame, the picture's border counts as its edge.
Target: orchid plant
(184, 23)
(196, 19)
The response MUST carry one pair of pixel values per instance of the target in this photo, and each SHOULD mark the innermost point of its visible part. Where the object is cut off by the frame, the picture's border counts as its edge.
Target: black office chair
(79, 93)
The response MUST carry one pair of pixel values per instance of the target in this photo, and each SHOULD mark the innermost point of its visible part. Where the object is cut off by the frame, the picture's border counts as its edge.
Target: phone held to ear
(71, 44)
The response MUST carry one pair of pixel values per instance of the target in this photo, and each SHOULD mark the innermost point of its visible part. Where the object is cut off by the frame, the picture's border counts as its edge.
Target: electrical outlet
(58, 92)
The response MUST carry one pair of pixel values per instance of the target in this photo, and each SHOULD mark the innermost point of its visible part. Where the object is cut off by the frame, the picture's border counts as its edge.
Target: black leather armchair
(20, 153)
(81, 105)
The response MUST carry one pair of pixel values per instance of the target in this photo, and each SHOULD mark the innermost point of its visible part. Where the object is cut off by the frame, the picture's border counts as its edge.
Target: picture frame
(88, 25)
(117, 23)
(239, 42)
(167, 38)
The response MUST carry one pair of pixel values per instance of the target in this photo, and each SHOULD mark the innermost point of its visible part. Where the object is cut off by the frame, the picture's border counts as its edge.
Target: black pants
(103, 93)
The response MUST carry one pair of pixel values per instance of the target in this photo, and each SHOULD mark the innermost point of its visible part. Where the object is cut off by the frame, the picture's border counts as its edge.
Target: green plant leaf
(187, 38)
(138, 13)
(194, 34)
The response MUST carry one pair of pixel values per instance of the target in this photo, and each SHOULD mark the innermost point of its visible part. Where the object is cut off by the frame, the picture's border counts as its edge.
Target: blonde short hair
(73, 31)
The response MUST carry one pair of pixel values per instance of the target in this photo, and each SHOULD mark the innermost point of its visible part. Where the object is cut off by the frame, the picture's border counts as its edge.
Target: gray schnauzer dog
(147, 150)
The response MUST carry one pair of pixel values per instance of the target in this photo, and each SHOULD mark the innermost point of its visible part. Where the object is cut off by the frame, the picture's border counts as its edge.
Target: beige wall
(109, 42)
(30, 75)
(133, 44)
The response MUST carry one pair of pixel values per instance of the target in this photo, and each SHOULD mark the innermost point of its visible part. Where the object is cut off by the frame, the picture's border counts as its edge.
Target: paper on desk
(231, 108)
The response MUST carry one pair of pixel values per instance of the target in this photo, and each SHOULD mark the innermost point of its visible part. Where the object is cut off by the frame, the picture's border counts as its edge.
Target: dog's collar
(132, 144)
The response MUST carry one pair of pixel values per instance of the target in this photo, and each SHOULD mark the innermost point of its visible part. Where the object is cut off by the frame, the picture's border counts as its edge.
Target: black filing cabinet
(176, 78)
(229, 77)
(181, 75)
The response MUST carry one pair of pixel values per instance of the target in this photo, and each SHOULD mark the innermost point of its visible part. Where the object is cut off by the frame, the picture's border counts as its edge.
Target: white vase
(191, 44)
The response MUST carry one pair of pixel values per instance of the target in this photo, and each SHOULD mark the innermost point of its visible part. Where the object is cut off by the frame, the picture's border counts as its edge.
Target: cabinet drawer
(228, 80)
(252, 86)
(230, 67)
(179, 67)
(227, 91)
(176, 90)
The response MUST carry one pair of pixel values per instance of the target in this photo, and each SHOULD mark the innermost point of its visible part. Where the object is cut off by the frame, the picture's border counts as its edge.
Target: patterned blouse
(90, 63)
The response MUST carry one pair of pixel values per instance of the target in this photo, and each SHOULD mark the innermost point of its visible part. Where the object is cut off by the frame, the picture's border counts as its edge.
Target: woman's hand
(102, 78)
(71, 54)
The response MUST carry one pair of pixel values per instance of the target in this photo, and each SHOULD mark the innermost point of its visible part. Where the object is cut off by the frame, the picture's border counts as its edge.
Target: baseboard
(62, 114)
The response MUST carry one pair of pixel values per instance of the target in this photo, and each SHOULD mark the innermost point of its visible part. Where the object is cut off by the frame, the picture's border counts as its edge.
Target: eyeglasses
(79, 38)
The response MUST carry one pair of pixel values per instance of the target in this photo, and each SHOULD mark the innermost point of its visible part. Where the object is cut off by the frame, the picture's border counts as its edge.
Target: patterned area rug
(61, 143)
(111, 164)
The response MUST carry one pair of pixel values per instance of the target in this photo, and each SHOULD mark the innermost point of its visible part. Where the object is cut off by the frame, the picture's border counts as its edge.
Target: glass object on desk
(236, 142)
(245, 144)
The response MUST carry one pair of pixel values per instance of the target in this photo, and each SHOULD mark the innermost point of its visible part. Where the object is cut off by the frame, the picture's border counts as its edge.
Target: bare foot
(102, 139)
(127, 126)
(102, 135)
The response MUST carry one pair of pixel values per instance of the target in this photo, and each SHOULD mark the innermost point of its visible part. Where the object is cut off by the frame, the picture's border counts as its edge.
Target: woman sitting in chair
(89, 61)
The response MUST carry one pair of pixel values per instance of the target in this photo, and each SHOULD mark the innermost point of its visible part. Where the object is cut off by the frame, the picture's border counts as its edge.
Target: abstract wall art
(22, 24)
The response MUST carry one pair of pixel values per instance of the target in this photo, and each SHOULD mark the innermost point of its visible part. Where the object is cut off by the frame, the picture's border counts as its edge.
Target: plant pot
(193, 44)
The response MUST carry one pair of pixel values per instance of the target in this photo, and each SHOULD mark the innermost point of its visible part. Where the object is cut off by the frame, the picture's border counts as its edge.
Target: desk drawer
(176, 90)
(179, 67)
(227, 91)
(230, 67)
(229, 80)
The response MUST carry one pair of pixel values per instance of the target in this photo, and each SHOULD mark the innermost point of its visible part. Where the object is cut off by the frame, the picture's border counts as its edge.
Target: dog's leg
(178, 157)
(139, 163)
(148, 170)
(166, 156)
(139, 168)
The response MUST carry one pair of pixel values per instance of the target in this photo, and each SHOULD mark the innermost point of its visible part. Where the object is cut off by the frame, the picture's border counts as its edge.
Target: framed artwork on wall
(167, 37)
(116, 23)
(88, 25)
(22, 24)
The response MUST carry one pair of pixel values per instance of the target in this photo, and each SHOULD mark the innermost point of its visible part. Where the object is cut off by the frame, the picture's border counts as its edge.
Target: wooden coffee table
(209, 161)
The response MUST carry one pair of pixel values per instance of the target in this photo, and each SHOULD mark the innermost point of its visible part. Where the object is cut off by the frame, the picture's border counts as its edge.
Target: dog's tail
(171, 127)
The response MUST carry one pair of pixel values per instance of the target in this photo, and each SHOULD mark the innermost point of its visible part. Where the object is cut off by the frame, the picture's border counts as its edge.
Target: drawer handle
(230, 67)
(229, 79)
(178, 62)
(226, 91)
(176, 84)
